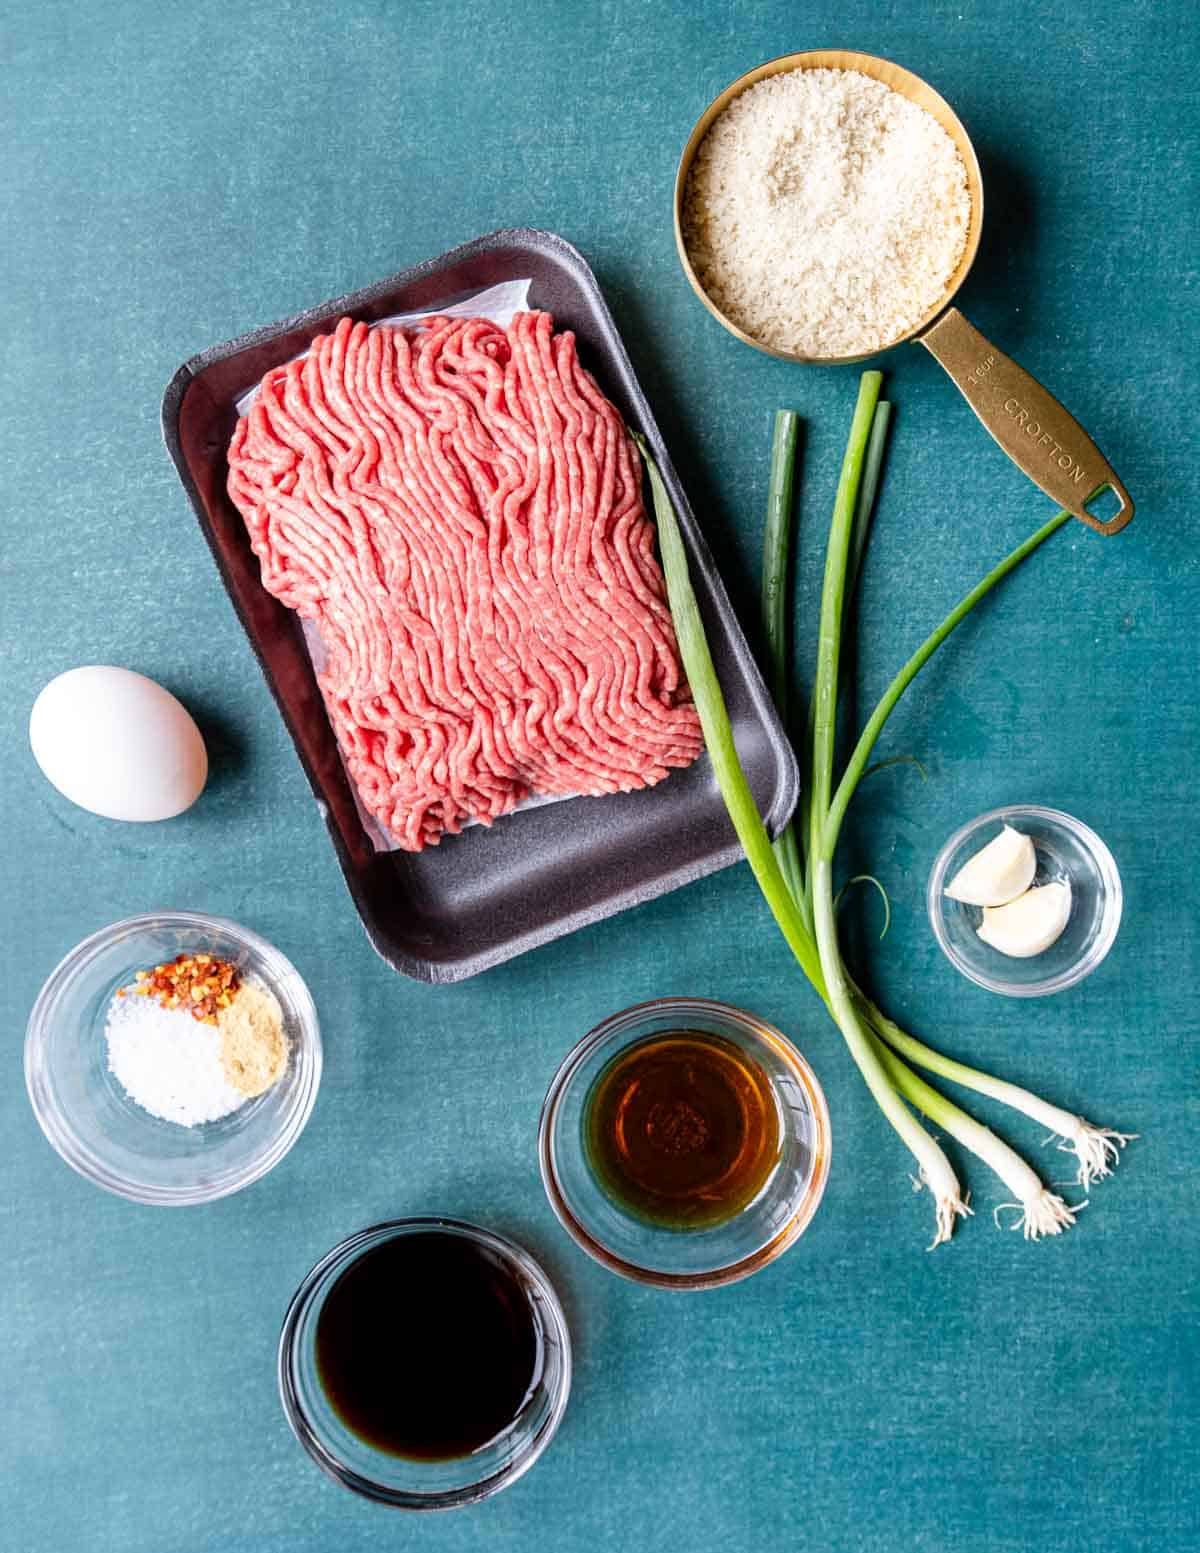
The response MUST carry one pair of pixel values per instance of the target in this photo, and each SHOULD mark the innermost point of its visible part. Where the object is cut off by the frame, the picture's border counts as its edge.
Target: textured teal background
(174, 174)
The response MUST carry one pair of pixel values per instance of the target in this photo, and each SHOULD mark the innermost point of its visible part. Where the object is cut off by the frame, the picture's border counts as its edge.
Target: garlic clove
(997, 873)
(1030, 924)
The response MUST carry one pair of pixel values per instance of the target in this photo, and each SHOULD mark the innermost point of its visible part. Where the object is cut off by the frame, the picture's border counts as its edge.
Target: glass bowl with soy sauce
(684, 1143)
(425, 1363)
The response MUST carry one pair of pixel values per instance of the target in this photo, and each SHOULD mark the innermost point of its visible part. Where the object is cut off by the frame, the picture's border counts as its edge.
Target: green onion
(868, 490)
(875, 1041)
(775, 547)
(883, 896)
(935, 1168)
(1041, 1211)
(933, 1165)
(897, 760)
(774, 603)
(833, 588)
(718, 731)
(864, 507)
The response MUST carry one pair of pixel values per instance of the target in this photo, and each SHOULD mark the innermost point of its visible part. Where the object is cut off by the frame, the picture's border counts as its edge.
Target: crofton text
(1033, 429)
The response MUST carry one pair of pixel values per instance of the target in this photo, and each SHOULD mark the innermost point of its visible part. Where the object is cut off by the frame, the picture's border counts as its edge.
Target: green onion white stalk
(1042, 1212)
(1097, 1150)
(802, 900)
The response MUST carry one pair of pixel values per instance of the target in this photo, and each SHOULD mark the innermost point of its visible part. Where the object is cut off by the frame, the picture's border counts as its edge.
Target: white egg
(117, 744)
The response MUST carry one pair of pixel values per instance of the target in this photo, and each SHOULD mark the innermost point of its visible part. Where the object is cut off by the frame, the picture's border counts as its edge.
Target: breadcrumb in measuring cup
(825, 213)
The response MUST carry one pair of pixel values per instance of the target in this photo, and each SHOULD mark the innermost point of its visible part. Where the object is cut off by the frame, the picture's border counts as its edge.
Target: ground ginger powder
(254, 1048)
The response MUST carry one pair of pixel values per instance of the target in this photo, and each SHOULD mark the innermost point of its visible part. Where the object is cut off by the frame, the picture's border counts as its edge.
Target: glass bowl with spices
(173, 1058)
(684, 1143)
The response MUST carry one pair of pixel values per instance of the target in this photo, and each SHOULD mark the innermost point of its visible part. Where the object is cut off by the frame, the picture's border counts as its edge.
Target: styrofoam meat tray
(490, 893)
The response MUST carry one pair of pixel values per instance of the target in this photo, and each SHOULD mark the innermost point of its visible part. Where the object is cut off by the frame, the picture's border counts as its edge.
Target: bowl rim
(803, 1210)
(1106, 867)
(357, 1482)
(66, 1142)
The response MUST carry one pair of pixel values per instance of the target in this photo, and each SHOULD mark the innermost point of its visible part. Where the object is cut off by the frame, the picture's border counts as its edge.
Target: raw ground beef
(458, 510)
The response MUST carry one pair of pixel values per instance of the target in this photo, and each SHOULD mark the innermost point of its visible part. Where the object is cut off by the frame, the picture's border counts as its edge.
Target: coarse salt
(167, 1062)
(825, 213)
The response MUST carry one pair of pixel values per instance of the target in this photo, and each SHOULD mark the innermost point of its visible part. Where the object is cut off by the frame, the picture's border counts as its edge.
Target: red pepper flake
(199, 981)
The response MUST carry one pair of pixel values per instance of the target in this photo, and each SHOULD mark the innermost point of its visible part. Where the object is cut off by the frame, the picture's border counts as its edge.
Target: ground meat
(458, 510)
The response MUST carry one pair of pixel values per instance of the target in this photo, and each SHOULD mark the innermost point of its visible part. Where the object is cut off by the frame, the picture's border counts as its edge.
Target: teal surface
(176, 174)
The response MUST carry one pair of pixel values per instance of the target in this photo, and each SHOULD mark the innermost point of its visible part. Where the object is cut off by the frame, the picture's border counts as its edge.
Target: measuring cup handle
(1029, 424)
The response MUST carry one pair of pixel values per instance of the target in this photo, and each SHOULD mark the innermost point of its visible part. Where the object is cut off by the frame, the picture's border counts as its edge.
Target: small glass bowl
(399, 1480)
(687, 1258)
(99, 1130)
(1066, 850)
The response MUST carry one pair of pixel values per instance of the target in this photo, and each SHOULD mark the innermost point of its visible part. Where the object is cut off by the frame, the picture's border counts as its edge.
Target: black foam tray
(487, 894)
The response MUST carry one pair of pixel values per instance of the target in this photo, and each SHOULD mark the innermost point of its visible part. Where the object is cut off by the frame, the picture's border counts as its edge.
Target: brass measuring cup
(1036, 432)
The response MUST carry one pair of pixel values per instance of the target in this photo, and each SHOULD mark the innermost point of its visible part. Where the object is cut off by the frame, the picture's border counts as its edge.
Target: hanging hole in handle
(1103, 504)
(1108, 509)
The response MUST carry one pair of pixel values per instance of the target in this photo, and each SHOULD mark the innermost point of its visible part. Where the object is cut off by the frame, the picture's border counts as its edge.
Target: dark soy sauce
(682, 1129)
(427, 1346)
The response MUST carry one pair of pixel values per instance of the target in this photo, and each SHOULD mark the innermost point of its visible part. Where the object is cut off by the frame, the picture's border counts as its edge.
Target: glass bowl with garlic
(1025, 900)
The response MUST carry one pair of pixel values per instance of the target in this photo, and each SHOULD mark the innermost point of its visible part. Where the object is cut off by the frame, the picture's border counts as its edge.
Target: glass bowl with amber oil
(425, 1363)
(684, 1143)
